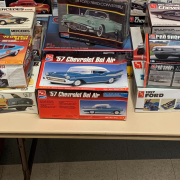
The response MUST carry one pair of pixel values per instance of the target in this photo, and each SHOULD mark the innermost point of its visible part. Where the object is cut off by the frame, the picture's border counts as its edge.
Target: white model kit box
(17, 21)
(21, 99)
(152, 99)
(163, 18)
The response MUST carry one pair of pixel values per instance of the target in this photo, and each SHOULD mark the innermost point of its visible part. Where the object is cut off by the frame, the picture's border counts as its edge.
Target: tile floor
(156, 169)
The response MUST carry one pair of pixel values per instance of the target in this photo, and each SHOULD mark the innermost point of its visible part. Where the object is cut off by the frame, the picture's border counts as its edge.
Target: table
(139, 126)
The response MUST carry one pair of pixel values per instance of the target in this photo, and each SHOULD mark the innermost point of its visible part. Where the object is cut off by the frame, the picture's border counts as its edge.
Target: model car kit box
(13, 100)
(162, 68)
(152, 99)
(163, 18)
(98, 22)
(17, 21)
(15, 61)
(53, 44)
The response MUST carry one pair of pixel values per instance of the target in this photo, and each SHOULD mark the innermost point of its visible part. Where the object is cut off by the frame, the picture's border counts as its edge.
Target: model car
(171, 49)
(140, 5)
(93, 21)
(173, 15)
(16, 102)
(9, 49)
(40, 7)
(102, 108)
(7, 18)
(1, 73)
(77, 75)
(151, 106)
(155, 77)
(168, 105)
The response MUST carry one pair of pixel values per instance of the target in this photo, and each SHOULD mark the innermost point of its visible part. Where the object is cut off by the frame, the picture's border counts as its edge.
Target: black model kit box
(98, 22)
(162, 67)
(163, 18)
(13, 100)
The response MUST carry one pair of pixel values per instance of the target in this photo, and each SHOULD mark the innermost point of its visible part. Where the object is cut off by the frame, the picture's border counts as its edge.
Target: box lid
(14, 49)
(53, 42)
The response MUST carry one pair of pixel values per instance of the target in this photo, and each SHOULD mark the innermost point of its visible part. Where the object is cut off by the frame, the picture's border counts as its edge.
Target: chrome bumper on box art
(170, 53)
(58, 80)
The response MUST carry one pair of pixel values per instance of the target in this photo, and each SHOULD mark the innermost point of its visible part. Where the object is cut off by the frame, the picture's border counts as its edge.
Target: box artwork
(21, 99)
(42, 7)
(163, 18)
(53, 43)
(17, 21)
(152, 99)
(97, 22)
(15, 61)
(82, 72)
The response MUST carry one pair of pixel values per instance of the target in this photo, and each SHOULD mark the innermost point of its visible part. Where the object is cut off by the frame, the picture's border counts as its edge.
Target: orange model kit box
(15, 61)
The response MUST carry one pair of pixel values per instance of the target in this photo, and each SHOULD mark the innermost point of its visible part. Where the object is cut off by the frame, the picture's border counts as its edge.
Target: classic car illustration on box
(2, 73)
(155, 77)
(169, 104)
(151, 106)
(7, 18)
(78, 75)
(173, 15)
(139, 5)
(93, 21)
(171, 49)
(9, 49)
(40, 7)
(177, 106)
(16, 102)
(102, 108)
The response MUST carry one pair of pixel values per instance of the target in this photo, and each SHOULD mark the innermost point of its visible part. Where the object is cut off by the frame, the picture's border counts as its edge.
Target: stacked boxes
(15, 61)
(21, 99)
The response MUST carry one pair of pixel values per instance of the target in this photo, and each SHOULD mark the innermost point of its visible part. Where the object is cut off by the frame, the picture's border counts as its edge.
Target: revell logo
(140, 94)
(65, 35)
(131, 19)
(153, 6)
(49, 57)
(42, 94)
(138, 65)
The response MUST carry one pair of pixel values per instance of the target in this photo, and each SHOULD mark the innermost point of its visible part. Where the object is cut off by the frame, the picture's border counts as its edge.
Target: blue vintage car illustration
(151, 106)
(9, 49)
(168, 105)
(78, 75)
(102, 108)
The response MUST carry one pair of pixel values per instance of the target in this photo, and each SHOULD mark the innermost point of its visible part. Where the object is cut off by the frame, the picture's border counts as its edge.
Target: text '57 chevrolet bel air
(102, 108)
(7, 18)
(78, 75)
(17, 102)
(171, 49)
(9, 49)
(93, 21)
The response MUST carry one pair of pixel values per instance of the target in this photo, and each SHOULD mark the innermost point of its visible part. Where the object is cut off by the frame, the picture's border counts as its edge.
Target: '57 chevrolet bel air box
(13, 100)
(17, 21)
(15, 61)
(83, 87)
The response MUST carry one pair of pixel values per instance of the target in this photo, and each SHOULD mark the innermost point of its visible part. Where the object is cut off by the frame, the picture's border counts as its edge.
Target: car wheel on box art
(78, 75)
(20, 104)
(151, 105)
(97, 22)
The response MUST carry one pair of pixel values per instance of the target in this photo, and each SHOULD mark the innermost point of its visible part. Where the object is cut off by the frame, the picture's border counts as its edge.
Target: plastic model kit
(94, 22)
(151, 106)
(12, 22)
(169, 104)
(21, 99)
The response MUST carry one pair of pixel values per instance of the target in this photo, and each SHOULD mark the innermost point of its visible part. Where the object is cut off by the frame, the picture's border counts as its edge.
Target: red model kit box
(83, 87)
(105, 23)
(15, 61)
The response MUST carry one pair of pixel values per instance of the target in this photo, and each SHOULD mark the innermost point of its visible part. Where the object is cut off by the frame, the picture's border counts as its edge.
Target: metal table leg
(27, 164)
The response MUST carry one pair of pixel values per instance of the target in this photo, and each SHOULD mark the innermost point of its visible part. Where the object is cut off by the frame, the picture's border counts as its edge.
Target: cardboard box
(67, 84)
(152, 99)
(17, 21)
(21, 99)
(15, 61)
(43, 8)
(163, 18)
(98, 22)
(163, 61)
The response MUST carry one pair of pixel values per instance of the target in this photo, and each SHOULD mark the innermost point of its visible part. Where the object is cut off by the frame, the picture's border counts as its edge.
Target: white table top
(159, 126)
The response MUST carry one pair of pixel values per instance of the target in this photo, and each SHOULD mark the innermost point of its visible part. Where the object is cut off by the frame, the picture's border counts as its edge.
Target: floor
(95, 160)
